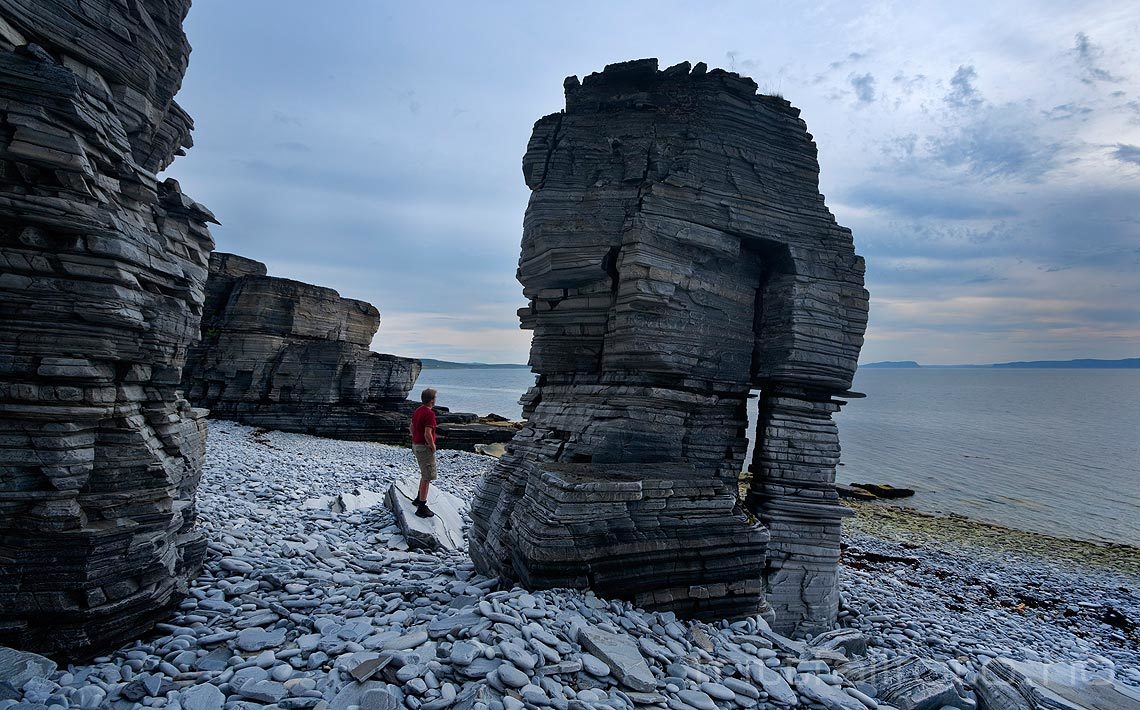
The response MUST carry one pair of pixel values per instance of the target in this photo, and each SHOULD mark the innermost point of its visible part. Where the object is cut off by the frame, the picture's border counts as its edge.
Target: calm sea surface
(1051, 451)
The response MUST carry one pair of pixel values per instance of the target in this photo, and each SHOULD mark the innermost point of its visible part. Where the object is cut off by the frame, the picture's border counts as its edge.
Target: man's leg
(426, 459)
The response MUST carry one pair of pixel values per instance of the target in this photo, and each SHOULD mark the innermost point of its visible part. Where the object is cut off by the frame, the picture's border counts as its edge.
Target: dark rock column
(793, 492)
(102, 271)
(676, 253)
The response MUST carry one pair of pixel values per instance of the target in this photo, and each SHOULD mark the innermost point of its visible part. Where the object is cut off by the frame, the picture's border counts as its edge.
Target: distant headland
(1129, 363)
(430, 364)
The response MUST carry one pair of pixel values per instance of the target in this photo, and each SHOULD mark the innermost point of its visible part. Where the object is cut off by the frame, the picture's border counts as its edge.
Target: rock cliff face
(677, 254)
(102, 271)
(292, 356)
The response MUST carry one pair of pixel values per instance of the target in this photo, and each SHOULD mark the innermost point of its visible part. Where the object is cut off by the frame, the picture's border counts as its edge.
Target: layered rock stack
(102, 270)
(287, 355)
(677, 254)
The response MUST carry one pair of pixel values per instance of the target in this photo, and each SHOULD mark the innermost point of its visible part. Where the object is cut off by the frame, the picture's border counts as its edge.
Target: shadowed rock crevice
(677, 254)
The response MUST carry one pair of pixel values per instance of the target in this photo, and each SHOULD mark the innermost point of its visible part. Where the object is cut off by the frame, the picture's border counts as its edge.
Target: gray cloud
(988, 148)
(1088, 60)
(923, 202)
(963, 93)
(1127, 153)
(864, 85)
(1066, 112)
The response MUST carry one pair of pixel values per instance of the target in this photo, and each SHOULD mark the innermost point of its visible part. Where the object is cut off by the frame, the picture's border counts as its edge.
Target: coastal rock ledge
(102, 270)
(677, 254)
(291, 356)
(283, 354)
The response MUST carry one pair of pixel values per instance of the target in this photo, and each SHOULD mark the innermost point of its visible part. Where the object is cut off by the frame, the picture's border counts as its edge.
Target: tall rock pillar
(102, 270)
(676, 254)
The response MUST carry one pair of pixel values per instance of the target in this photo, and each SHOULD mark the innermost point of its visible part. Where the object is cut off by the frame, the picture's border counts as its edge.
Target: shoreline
(892, 515)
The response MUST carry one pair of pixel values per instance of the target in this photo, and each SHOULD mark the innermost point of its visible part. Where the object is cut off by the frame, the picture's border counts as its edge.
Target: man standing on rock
(423, 446)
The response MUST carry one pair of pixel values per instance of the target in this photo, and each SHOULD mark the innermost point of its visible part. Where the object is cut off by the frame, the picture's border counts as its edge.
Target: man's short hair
(427, 395)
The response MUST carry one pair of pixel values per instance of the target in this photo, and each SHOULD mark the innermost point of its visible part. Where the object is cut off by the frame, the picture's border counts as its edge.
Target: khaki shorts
(425, 457)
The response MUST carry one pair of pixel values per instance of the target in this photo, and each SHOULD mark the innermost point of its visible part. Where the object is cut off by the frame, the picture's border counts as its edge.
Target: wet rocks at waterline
(102, 271)
(676, 254)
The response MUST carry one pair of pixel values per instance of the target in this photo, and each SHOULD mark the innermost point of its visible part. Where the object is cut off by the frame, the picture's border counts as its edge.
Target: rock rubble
(329, 609)
(102, 270)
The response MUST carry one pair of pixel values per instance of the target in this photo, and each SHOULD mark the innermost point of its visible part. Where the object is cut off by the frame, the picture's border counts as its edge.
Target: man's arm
(429, 435)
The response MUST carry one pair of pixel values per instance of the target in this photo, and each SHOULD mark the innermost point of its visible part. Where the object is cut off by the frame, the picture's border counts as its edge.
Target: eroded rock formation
(677, 253)
(102, 271)
(287, 355)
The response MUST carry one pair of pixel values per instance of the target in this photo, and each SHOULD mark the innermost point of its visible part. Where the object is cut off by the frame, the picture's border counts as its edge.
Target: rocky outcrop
(287, 355)
(677, 253)
(1006, 684)
(102, 270)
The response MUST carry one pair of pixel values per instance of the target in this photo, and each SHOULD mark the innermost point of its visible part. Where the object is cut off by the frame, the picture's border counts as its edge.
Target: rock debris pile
(102, 270)
(325, 607)
(677, 253)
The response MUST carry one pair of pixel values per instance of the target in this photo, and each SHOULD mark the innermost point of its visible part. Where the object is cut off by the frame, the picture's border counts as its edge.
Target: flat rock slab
(620, 653)
(909, 682)
(443, 532)
(1027, 685)
(814, 689)
(18, 667)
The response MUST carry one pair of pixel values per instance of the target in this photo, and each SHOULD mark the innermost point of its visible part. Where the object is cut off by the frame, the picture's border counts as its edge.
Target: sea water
(1055, 451)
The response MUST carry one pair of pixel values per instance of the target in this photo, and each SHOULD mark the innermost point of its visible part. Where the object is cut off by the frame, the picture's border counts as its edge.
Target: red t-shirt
(422, 418)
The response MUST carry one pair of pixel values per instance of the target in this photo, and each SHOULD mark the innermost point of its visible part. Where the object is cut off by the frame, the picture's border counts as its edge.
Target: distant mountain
(1081, 363)
(430, 364)
(891, 364)
(1128, 363)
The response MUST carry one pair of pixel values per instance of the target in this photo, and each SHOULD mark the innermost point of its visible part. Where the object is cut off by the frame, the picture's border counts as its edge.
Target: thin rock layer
(677, 254)
(102, 270)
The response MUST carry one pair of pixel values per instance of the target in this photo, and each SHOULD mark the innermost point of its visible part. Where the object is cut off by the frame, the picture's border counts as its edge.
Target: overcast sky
(986, 155)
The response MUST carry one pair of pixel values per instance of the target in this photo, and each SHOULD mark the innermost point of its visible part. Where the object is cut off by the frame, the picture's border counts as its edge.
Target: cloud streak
(989, 174)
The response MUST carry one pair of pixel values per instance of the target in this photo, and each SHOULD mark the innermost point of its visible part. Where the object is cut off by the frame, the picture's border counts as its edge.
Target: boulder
(677, 254)
(1006, 684)
(815, 690)
(442, 532)
(850, 642)
(18, 667)
(620, 653)
(909, 683)
(882, 490)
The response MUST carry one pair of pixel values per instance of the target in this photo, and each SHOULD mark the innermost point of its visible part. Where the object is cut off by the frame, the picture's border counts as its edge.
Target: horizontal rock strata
(287, 355)
(102, 271)
(677, 254)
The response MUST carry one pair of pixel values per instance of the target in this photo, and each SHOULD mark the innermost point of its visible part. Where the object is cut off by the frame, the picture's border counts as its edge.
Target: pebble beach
(299, 606)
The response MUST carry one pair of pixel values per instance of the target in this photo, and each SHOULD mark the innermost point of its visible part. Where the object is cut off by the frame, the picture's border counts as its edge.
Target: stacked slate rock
(287, 355)
(677, 253)
(102, 270)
